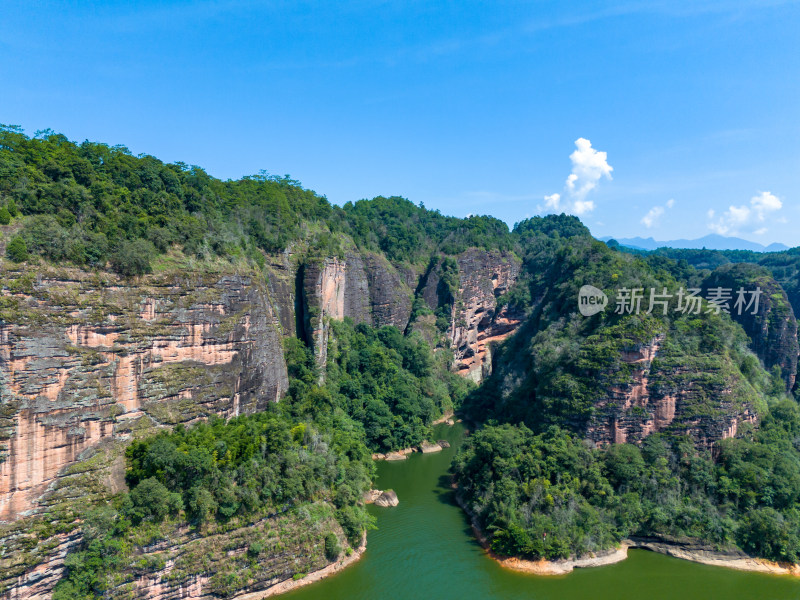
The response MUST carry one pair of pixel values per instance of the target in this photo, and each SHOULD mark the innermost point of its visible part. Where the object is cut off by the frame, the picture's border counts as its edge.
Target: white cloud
(552, 201)
(589, 166)
(652, 216)
(581, 207)
(655, 213)
(766, 202)
(747, 219)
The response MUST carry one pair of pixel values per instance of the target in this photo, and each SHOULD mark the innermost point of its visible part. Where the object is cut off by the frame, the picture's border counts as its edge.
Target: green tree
(133, 258)
(17, 250)
(332, 548)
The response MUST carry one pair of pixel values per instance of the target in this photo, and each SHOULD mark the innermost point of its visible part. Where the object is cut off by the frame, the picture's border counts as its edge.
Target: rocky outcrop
(83, 357)
(387, 498)
(371, 495)
(476, 320)
(709, 555)
(397, 455)
(769, 320)
(670, 396)
(627, 413)
(365, 288)
(430, 447)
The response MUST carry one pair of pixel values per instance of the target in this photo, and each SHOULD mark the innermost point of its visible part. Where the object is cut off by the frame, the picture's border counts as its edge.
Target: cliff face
(771, 325)
(369, 289)
(475, 320)
(365, 287)
(667, 396)
(87, 360)
(81, 357)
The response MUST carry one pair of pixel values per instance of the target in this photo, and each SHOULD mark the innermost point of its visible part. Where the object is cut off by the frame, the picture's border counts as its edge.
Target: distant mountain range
(710, 242)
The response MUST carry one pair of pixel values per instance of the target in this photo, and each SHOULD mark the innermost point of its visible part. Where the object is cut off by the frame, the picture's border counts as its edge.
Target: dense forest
(531, 473)
(93, 204)
(550, 495)
(540, 490)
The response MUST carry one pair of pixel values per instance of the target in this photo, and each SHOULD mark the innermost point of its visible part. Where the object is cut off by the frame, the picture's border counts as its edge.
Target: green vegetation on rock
(549, 495)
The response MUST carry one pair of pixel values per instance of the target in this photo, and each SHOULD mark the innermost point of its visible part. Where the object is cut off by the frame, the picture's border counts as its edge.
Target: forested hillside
(92, 204)
(222, 358)
(691, 439)
(304, 464)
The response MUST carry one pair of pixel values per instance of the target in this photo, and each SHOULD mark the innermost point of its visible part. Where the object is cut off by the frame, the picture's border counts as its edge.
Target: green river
(424, 548)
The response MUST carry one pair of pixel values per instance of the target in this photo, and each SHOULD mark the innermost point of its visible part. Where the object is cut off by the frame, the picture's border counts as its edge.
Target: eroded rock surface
(430, 447)
(83, 358)
(476, 321)
(670, 397)
(387, 498)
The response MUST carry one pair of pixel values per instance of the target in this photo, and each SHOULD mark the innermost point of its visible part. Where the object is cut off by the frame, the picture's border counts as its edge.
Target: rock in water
(428, 447)
(444, 443)
(396, 456)
(387, 498)
(372, 495)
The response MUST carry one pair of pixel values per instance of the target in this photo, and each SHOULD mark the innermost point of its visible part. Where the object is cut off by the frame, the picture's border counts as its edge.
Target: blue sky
(469, 107)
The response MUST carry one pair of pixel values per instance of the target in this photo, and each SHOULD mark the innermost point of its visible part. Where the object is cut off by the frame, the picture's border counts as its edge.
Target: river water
(424, 549)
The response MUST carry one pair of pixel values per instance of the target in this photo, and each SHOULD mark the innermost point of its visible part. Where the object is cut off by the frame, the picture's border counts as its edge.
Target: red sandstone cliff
(87, 360)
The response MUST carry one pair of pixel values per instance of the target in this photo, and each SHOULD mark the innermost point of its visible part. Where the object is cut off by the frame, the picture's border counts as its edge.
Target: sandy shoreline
(740, 562)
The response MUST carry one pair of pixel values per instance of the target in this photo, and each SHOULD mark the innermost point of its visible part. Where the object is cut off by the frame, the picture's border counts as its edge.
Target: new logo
(591, 300)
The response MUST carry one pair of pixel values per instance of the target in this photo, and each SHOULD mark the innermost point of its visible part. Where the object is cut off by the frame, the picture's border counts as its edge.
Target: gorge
(195, 374)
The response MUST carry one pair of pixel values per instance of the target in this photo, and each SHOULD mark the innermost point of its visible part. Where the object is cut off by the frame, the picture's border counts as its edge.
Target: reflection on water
(424, 548)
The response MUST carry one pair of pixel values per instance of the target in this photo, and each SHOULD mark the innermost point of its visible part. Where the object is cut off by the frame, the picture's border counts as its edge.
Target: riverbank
(425, 447)
(730, 560)
(292, 584)
(688, 552)
(541, 566)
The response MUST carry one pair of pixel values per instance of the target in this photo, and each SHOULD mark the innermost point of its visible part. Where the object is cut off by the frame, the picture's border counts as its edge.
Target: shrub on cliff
(152, 501)
(17, 250)
(332, 548)
(133, 258)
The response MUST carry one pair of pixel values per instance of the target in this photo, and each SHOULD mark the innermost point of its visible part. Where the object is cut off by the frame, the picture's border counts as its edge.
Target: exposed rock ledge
(429, 447)
(698, 554)
(693, 553)
(381, 498)
(445, 418)
(396, 455)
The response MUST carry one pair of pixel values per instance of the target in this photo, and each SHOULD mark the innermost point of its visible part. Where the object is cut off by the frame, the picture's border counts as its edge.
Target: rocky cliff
(88, 360)
(362, 286)
(668, 395)
(768, 320)
(83, 355)
(475, 319)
